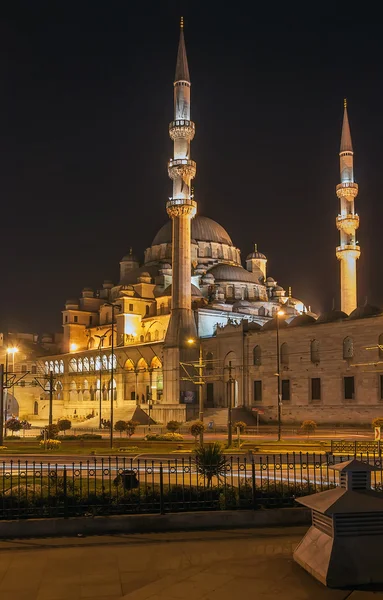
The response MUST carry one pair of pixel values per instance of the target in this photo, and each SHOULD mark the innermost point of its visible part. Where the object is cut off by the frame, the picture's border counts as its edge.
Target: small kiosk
(343, 546)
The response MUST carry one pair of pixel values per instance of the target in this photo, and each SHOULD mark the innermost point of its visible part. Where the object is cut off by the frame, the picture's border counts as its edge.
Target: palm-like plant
(210, 462)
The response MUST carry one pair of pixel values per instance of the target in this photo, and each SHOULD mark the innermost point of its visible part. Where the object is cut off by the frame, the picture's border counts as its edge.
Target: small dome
(208, 277)
(302, 320)
(363, 312)
(243, 303)
(272, 324)
(166, 267)
(278, 288)
(332, 316)
(145, 274)
(256, 255)
(129, 258)
(72, 301)
(223, 272)
(270, 280)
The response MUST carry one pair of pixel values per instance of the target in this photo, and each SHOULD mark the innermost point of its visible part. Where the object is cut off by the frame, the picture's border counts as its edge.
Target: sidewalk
(223, 565)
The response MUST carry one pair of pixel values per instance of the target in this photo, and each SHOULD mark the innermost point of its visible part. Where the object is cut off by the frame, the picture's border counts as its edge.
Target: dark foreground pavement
(223, 565)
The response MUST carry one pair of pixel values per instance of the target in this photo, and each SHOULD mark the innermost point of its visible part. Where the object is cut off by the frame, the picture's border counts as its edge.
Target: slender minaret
(347, 221)
(181, 208)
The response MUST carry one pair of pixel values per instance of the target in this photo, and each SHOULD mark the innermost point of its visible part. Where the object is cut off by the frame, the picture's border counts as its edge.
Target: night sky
(85, 102)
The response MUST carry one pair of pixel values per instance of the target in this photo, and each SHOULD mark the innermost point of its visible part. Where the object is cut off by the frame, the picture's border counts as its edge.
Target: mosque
(193, 304)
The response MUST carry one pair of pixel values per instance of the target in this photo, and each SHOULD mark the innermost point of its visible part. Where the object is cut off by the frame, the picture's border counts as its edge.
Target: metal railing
(121, 485)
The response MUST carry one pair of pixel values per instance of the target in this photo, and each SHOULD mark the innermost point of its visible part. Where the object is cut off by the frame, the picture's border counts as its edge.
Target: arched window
(91, 391)
(208, 252)
(148, 337)
(104, 362)
(110, 340)
(262, 311)
(314, 351)
(142, 339)
(91, 343)
(230, 291)
(380, 342)
(91, 363)
(110, 361)
(51, 365)
(36, 408)
(79, 365)
(73, 365)
(162, 309)
(57, 366)
(85, 363)
(156, 335)
(209, 361)
(257, 356)
(46, 368)
(284, 355)
(98, 363)
(61, 366)
(348, 347)
(59, 390)
(147, 308)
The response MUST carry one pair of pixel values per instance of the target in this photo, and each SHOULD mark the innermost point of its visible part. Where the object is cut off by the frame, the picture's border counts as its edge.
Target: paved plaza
(221, 565)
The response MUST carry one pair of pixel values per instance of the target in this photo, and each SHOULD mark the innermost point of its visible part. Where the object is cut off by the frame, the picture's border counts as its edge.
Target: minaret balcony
(348, 190)
(182, 129)
(182, 168)
(348, 223)
(348, 251)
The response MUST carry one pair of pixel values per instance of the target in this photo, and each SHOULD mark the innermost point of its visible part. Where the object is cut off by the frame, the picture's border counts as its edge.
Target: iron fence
(121, 485)
(355, 446)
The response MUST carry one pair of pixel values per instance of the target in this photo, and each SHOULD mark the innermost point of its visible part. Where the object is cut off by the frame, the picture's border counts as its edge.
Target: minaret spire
(347, 221)
(181, 208)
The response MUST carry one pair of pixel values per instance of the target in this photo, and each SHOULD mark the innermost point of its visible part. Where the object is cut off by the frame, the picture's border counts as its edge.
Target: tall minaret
(181, 208)
(347, 221)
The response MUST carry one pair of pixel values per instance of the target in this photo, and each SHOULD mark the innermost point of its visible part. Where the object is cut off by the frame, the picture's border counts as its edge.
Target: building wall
(364, 365)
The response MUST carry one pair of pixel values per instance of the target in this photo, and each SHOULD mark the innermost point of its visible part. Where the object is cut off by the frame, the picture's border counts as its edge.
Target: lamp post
(11, 350)
(101, 338)
(200, 383)
(113, 306)
(280, 313)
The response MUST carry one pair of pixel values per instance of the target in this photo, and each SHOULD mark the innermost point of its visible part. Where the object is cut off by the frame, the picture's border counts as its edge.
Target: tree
(131, 427)
(241, 425)
(308, 427)
(210, 462)
(13, 424)
(173, 426)
(196, 429)
(64, 425)
(377, 422)
(120, 426)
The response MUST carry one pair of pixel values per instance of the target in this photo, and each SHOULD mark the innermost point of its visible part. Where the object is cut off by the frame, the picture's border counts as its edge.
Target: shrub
(377, 422)
(13, 424)
(308, 427)
(164, 437)
(241, 425)
(120, 426)
(50, 444)
(210, 462)
(196, 429)
(128, 449)
(173, 426)
(131, 427)
(90, 436)
(64, 425)
(3, 447)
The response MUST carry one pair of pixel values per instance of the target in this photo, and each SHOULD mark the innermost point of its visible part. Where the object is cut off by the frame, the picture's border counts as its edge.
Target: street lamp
(200, 383)
(280, 313)
(10, 351)
(100, 344)
(113, 306)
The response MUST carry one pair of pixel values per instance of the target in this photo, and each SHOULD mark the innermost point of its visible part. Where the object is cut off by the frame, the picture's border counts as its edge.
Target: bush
(84, 436)
(50, 444)
(196, 429)
(164, 437)
(13, 424)
(241, 425)
(64, 425)
(129, 449)
(120, 426)
(308, 427)
(173, 426)
(210, 462)
(131, 427)
(377, 422)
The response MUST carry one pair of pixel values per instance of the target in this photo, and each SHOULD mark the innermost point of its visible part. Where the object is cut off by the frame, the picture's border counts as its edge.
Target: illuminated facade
(192, 285)
(347, 221)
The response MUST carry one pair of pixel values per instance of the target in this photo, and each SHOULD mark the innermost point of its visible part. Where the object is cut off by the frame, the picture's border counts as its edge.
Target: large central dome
(203, 229)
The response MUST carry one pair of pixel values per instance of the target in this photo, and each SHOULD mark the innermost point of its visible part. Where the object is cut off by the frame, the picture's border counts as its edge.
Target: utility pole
(229, 423)
(111, 381)
(50, 398)
(1, 404)
(279, 313)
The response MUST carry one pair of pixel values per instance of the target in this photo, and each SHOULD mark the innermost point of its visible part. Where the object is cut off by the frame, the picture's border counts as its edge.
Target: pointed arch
(314, 351)
(348, 347)
(156, 363)
(73, 365)
(129, 365)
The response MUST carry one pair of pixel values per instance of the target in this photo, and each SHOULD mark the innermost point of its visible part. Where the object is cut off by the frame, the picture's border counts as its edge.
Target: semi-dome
(302, 320)
(256, 254)
(272, 324)
(195, 292)
(224, 272)
(331, 316)
(203, 229)
(363, 312)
